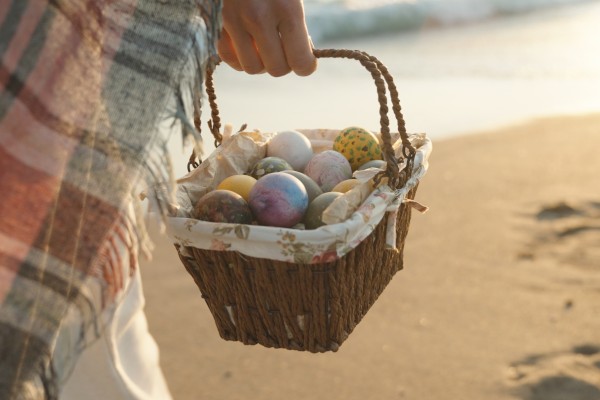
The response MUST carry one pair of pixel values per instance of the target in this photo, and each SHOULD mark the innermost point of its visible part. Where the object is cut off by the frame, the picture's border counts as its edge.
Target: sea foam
(336, 19)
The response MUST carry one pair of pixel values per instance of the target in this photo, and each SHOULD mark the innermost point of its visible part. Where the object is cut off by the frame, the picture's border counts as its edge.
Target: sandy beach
(500, 295)
(499, 298)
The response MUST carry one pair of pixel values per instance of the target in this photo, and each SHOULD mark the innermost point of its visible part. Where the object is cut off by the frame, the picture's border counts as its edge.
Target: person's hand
(266, 36)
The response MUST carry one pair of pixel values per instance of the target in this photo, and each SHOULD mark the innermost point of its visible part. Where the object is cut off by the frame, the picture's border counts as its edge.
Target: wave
(336, 19)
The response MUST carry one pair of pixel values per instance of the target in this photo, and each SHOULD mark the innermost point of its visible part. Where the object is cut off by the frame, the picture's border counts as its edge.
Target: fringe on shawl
(129, 236)
(159, 178)
(130, 233)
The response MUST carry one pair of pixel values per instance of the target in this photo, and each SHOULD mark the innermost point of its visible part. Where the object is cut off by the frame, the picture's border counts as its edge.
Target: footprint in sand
(568, 375)
(568, 233)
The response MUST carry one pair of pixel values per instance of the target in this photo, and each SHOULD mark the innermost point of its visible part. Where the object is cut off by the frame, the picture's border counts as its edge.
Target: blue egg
(278, 199)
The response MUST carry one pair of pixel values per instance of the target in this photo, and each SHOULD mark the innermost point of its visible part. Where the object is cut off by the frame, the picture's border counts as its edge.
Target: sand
(499, 299)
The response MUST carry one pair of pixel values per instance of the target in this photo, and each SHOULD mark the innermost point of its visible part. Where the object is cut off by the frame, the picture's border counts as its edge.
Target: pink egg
(278, 199)
(328, 169)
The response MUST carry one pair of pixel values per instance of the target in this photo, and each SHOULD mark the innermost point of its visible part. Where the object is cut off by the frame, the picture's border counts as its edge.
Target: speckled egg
(278, 199)
(314, 213)
(345, 186)
(358, 146)
(269, 165)
(328, 169)
(223, 206)
(293, 147)
(373, 164)
(240, 184)
(312, 189)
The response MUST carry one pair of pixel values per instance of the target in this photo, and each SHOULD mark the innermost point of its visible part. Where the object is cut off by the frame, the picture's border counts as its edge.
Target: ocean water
(492, 72)
(335, 19)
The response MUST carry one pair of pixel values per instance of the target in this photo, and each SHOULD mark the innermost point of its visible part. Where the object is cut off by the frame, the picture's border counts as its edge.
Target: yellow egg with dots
(358, 145)
(240, 184)
(345, 186)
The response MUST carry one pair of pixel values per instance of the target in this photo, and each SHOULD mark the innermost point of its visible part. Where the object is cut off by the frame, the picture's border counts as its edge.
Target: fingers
(247, 55)
(271, 37)
(227, 52)
(269, 46)
(298, 47)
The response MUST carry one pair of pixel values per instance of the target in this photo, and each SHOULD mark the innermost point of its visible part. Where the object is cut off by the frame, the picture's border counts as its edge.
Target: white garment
(123, 364)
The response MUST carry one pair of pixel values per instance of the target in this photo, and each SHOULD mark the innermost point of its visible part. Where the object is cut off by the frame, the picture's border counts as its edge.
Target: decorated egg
(358, 146)
(312, 189)
(223, 206)
(328, 169)
(373, 164)
(345, 186)
(314, 213)
(278, 199)
(268, 165)
(240, 184)
(292, 146)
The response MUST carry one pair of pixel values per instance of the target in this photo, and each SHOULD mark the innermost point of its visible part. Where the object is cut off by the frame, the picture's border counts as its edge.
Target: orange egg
(240, 184)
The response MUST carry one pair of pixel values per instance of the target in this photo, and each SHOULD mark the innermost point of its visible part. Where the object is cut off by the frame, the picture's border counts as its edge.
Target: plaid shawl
(90, 91)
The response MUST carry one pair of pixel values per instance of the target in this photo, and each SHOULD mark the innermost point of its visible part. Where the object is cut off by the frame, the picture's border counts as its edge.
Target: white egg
(293, 147)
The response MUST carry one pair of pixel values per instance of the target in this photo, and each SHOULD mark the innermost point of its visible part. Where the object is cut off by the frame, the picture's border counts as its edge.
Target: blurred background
(460, 65)
(500, 295)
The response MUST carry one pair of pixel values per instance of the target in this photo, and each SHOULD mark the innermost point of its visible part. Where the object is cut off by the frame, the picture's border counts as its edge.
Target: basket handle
(380, 75)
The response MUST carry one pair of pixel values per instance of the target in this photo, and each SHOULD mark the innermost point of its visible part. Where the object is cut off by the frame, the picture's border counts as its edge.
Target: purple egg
(278, 199)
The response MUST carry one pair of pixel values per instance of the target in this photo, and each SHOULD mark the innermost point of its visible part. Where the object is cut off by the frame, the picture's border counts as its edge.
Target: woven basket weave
(308, 307)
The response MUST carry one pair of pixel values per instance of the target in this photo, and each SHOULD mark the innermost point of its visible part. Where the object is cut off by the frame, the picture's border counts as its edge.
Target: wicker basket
(308, 307)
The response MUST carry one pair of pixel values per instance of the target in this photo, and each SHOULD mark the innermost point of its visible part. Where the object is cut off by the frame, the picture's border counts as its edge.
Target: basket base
(304, 307)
